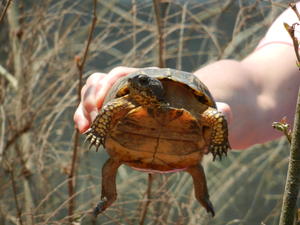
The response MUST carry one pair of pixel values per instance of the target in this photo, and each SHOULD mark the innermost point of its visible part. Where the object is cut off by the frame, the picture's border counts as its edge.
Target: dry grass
(40, 43)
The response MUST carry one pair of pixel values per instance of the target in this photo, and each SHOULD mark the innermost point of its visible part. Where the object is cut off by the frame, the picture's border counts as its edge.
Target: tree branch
(160, 9)
(5, 9)
(293, 177)
(291, 31)
(80, 66)
(294, 8)
(9, 77)
(2, 132)
(14, 187)
(148, 200)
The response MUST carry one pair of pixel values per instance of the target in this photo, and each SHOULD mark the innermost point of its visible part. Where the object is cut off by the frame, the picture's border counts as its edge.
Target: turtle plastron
(158, 120)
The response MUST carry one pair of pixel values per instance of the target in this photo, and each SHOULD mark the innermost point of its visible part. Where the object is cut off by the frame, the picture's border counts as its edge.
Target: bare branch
(283, 127)
(8, 76)
(291, 31)
(80, 67)
(14, 187)
(293, 6)
(293, 177)
(19, 133)
(2, 115)
(147, 200)
(159, 15)
(5, 9)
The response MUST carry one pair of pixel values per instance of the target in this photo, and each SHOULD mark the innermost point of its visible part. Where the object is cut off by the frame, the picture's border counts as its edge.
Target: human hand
(93, 94)
(95, 90)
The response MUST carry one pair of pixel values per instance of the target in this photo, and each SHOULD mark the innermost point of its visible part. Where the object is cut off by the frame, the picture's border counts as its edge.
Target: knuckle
(95, 78)
(117, 69)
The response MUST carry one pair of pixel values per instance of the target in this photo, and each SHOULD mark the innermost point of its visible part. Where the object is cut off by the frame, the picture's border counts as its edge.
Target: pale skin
(252, 93)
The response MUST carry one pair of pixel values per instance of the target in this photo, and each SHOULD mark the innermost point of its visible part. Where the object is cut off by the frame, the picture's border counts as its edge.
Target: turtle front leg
(219, 143)
(201, 192)
(100, 126)
(109, 189)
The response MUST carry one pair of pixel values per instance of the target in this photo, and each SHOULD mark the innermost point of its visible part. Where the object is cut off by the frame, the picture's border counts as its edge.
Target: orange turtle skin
(158, 120)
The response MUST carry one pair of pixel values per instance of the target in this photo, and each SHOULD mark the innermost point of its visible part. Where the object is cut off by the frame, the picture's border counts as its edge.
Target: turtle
(158, 121)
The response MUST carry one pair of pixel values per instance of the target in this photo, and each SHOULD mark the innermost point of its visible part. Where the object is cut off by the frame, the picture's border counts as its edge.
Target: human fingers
(87, 109)
(226, 110)
(110, 79)
(89, 93)
(93, 94)
(82, 123)
(107, 82)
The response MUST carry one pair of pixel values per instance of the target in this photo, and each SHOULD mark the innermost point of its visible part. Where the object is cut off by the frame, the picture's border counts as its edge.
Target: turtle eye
(143, 80)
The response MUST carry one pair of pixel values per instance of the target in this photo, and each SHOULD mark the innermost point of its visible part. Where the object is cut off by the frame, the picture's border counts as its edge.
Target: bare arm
(260, 89)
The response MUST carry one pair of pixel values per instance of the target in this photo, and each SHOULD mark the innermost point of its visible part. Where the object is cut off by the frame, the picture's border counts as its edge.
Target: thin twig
(9, 77)
(291, 31)
(80, 66)
(148, 200)
(181, 36)
(294, 8)
(283, 127)
(18, 133)
(16, 49)
(293, 177)
(134, 16)
(2, 132)
(71, 180)
(159, 15)
(5, 9)
(14, 187)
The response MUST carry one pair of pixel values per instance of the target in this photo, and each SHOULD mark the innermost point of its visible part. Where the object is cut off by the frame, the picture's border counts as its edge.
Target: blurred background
(47, 175)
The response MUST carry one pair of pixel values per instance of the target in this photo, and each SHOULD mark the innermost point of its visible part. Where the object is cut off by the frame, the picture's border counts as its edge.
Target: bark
(287, 216)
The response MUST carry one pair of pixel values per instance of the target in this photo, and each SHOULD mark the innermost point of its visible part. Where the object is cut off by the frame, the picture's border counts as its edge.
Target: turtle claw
(93, 139)
(219, 150)
(219, 144)
(100, 207)
(88, 134)
(209, 207)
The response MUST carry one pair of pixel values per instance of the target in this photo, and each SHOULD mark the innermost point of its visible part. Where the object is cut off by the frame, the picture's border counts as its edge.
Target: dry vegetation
(41, 45)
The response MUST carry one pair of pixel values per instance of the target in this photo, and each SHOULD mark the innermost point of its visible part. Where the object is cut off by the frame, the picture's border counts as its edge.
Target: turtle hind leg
(219, 143)
(109, 189)
(201, 192)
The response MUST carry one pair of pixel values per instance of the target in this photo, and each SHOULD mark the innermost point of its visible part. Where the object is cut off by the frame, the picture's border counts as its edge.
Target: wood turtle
(158, 120)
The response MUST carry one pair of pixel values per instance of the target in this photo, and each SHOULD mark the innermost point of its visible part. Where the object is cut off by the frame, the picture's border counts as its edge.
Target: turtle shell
(183, 78)
(167, 139)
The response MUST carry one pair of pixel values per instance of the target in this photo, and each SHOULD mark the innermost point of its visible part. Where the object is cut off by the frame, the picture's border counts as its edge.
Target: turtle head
(146, 90)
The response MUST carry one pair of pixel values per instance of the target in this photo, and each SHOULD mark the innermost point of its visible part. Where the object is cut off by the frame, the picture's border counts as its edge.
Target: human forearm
(260, 89)
(230, 82)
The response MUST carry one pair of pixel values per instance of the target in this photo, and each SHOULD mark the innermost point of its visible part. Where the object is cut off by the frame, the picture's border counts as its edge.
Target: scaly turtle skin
(158, 120)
